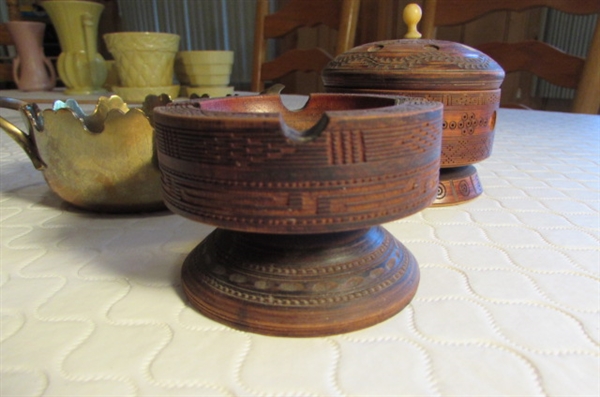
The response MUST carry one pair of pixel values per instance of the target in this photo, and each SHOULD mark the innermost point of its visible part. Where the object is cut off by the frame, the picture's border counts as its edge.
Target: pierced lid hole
(432, 46)
(375, 48)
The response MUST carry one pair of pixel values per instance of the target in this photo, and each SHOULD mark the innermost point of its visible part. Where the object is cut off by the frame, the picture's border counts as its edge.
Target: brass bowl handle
(31, 114)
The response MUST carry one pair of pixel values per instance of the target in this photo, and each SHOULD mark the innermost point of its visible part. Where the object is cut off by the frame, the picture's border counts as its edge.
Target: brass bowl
(104, 161)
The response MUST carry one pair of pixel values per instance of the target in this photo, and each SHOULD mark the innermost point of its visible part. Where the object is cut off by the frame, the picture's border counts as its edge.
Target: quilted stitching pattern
(508, 302)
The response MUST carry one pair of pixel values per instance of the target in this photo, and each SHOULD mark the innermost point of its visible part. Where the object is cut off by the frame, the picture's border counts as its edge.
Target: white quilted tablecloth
(508, 303)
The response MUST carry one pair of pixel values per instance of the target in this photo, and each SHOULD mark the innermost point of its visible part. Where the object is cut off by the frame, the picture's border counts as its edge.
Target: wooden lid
(414, 64)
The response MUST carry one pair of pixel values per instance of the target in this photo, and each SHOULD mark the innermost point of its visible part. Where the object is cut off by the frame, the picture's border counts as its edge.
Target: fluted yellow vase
(81, 68)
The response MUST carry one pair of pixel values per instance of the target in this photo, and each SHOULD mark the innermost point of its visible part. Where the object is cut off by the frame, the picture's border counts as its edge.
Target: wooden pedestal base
(300, 285)
(457, 185)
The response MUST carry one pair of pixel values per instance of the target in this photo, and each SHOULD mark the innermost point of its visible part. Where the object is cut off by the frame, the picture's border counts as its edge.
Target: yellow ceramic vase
(81, 68)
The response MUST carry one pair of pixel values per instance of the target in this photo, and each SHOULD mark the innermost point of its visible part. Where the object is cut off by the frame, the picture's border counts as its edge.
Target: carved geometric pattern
(408, 62)
(265, 147)
(468, 125)
(346, 148)
(458, 185)
(464, 150)
(260, 175)
(216, 267)
(300, 285)
(302, 203)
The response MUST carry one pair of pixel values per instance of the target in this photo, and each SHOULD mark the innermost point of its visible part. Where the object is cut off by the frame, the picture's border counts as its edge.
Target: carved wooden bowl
(297, 196)
(464, 79)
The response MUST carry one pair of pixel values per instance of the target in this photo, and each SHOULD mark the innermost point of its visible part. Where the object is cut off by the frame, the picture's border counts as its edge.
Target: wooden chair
(538, 58)
(5, 60)
(6, 41)
(340, 15)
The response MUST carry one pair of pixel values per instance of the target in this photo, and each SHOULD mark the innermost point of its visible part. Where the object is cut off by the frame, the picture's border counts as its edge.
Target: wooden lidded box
(464, 79)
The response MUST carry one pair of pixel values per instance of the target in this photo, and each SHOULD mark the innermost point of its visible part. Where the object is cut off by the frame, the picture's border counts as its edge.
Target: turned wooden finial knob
(412, 16)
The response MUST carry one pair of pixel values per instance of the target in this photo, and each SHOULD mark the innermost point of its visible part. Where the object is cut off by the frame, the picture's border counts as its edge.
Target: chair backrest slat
(340, 15)
(537, 58)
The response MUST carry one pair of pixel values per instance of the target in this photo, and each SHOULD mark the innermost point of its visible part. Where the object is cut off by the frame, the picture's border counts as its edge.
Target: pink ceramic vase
(32, 71)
